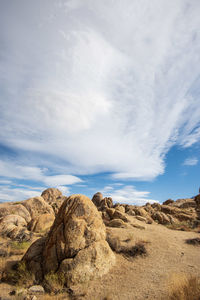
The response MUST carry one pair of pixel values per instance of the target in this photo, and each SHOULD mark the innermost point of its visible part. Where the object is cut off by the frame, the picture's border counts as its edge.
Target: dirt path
(148, 278)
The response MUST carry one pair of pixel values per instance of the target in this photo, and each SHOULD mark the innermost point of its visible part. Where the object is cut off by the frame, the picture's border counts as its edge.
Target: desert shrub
(133, 251)
(18, 274)
(183, 226)
(19, 245)
(54, 282)
(185, 288)
(195, 241)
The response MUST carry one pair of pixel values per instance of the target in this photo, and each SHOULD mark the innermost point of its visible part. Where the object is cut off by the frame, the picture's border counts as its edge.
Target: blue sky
(100, 96)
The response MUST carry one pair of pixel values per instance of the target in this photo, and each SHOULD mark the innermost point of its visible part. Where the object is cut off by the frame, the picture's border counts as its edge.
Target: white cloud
(129, 195)
(190, 161)
(12, 170)
(8, 193)
(101, 86)
(61, 180)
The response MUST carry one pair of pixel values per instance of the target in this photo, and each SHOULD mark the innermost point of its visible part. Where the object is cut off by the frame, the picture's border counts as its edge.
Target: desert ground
(164, 264)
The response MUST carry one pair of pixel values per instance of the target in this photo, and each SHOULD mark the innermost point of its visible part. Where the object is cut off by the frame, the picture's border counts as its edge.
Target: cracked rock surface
(76, 244)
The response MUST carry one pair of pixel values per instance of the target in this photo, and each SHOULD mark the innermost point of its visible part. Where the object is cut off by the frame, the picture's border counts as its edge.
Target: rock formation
(169, 213)
(36, 214)
(53, 197)
(75, 246)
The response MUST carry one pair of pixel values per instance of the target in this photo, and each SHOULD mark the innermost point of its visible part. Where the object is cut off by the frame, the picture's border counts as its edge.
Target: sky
(100, 96)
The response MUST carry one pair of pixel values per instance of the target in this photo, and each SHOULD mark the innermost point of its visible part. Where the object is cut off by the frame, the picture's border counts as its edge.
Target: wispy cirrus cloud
(127, 194)
(190, 161)
(101, 87)
(10, 169)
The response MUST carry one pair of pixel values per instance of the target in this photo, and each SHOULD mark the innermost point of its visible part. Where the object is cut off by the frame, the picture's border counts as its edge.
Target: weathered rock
(106, 203)
(142, 219)
(184, 203)
(161, 218)
(197, 200)
(119, 215)
(34, 259)
(120, 208)
(42, 223)
(37, 206)
(53, 197)
(36, 289)
(168, 202)
(97, 198)
(14, 227)
(117, 223)
(75, 245)
(102, 203)
(14, 209)
(110, 212)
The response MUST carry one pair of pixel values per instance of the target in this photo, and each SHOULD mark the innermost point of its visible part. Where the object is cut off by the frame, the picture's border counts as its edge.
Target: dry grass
(183, 226)
(138, 249)
(184, 287)
(54, 282)
(17, 274)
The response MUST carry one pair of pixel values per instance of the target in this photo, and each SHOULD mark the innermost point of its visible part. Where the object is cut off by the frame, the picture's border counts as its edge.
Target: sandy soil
(148, 277)
(144, 277)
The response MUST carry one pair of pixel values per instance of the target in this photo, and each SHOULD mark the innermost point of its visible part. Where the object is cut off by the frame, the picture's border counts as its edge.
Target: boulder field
(37, 214)
(185, 212)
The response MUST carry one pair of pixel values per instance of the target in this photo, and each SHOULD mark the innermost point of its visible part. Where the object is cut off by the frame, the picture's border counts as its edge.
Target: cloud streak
(128, 194)
(190, 161)
(101, 87)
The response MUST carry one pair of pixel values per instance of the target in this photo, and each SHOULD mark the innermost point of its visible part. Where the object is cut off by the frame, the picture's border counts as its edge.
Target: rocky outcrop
(18, 219)
(75, 246)
(54, 198)
(42, 223)
(197, 201)
(14, 209)
(37, 206)
(102, 203)
(14, 227)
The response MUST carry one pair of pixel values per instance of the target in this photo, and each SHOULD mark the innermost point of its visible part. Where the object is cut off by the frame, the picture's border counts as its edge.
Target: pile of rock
(18, 220)
(75, 247)
(170, 212)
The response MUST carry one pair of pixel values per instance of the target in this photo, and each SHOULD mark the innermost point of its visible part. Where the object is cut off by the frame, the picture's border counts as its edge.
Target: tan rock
(13, 226)
(120, 208)
(117, 223)
(87, 263)
(168, 202)
(161, 218)
(197, 200)
(97, 198)
(143, 219)
(75, 244)
(51, 195)
(37, 206)
(119, 215)
(14, 209)
(41, 223)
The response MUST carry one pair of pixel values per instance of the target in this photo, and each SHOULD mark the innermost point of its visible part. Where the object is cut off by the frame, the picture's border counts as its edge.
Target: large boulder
(41, 223)
(14, 209)
(14, 227)
(37, 206)
(75, 246)
(51, 195)
(197, 200)
(97, 198)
